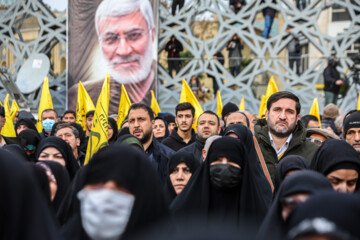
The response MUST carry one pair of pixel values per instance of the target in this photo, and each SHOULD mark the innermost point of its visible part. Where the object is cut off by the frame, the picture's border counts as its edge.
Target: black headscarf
(337, 216)
(70, 162)
(16, 150)
(288, 163)
(132, 170)
(30, 139)
(237, 128)
(166, 129)
(62, 181)
(175, 159)
(334, 155)
(41, 180)
(246, 203)
(24, 212)
(114, 126)
(304, 181)
(27, 122)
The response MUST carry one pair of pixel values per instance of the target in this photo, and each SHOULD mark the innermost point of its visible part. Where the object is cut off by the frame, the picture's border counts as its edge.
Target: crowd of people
(234, 176)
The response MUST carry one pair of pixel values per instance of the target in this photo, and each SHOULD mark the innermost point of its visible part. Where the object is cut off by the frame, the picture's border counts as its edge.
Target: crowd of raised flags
(98, 138)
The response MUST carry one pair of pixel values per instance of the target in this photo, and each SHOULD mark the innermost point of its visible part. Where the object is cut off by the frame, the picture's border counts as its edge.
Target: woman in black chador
(229, 185)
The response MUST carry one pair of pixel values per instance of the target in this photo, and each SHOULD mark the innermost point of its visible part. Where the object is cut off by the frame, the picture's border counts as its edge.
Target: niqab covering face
(304, 181)
(175, 160)
(247, 203)
(29, 140)
(334, 154)
(70, 162)
(288, 163)
(24, 212)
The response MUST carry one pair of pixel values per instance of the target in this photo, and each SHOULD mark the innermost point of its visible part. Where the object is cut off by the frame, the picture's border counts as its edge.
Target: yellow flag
(314, 110)
(358, 105)
(262, 107)
(270, 90)
(187, 95)
(154, 104)
(8, 129)
(124, 106)
(99, 129)
(14, 109)
(45, 102)
(219, 104)
(242, 104)
(84, 105)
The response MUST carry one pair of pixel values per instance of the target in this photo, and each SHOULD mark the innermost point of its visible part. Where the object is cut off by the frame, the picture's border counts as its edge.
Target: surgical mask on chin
(225, 176)
(48, 124)
(105, 213)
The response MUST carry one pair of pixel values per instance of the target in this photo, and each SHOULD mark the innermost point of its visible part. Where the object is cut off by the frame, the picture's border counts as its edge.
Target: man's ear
(78, 142)
(193, 121)
(153, 122)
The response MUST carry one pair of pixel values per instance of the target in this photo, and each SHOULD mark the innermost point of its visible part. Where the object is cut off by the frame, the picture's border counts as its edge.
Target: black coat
(159, 155)
(176, 45)
(195, 148)
(245, 203)
(331, 75)
(131, 169)
(175, 142)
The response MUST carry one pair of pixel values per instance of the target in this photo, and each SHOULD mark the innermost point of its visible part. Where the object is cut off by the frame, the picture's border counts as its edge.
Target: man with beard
(126, 33)
(352, 130)
(208, 125)
(281, 133)
(141, 120)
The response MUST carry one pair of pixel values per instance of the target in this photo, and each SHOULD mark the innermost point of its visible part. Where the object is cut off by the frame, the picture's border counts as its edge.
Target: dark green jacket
(298, 145)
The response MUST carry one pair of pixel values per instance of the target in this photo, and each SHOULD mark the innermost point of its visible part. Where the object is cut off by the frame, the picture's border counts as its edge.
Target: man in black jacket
(141, 119)
(207, 126)
(332, 81)
(173, 47)
(183, 134)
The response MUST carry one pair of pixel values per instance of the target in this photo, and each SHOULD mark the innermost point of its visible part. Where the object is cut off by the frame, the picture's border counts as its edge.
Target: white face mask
(105, 213)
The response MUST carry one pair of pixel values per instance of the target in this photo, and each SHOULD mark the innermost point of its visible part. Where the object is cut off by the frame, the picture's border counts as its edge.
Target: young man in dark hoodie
(183, 134)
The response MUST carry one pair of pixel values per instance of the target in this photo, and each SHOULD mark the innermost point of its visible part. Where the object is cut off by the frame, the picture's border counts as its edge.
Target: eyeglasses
(111, 39)
(316, 141)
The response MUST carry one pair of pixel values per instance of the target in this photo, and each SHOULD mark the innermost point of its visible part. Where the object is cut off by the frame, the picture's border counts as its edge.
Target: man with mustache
(141, 120)
(126, 33)
(352, 130)
(208, 125)
(281, 133)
